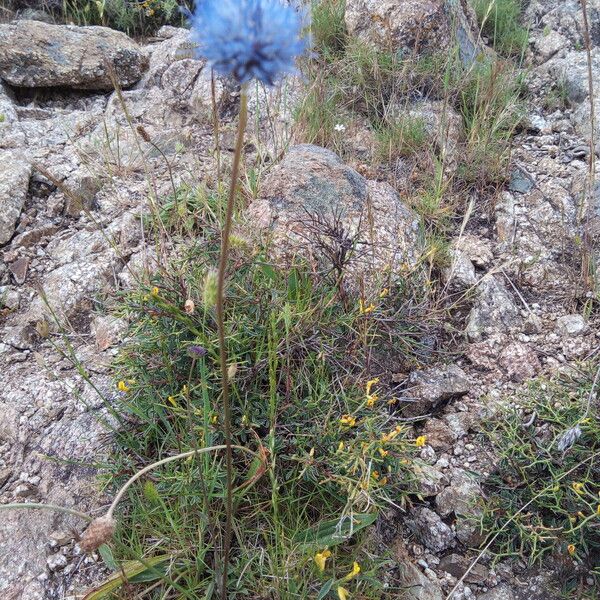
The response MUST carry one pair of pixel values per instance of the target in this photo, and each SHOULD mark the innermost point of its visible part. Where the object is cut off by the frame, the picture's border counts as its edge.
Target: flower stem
(221, 330)
(164, 461)
(39, 505)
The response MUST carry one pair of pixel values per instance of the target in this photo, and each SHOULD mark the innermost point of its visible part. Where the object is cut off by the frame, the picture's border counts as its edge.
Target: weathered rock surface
(413, 24)
(429, 387)
(316, 208)
(37, 54)
(430, 530)
(14, 181)
(494, 310)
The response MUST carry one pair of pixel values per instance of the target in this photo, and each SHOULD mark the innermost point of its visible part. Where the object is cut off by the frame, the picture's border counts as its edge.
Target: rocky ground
(75, 177)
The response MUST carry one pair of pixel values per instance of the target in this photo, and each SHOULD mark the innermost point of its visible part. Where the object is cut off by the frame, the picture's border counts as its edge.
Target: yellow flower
(155, 291)
(371, 399)
(420, 441)
(122, 386)
(172, 400)
(348, 420)
(370, 384)
(340, 447)
(214, 419)
(598, 509)
(578, 487)
(364, 310)
(571, 549)
(384, 292)
(375, 474)
(355, 571)
(320, 559)
(343, 593)
(383, 481)
(383, 452)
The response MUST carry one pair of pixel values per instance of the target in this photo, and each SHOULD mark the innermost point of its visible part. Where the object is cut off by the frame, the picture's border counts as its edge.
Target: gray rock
(493, 311)
(519, 361)
(500, 592)
(429, 529)
(56, 562)
(415, 586)
(571, 325)
(108, 331)
(14, 181)
(429, 387)
(430, 481)
(314, 206)
(461, 272)
(460, 497)
(411, 25)
(457, 566)
(37, 54)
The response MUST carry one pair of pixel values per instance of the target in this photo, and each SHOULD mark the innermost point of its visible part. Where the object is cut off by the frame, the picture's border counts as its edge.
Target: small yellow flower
(421, 441)
(375, 474)
(355, 571)
(383, 452)
(122, 386)
(214, 419)
(384, 292)
(383, 481)
(371, 399)
(320, 559)
(348, 420)
(312, 452)
(598, 509)
(155, 291)
(370, 384)
(172, 400)
(365, 310)
(578, 487)
(571, 549)
(343, 593)
(340, 447)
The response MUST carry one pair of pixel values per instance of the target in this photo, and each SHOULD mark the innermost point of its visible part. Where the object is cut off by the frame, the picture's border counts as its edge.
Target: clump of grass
(550, 465)
(328, 28)
(491, 106)
(334, 451)
(134, 18)
(404, 136)
(500, 21)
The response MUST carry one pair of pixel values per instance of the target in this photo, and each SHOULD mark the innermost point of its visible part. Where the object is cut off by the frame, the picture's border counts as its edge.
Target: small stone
(430, 387)
(457, 565)
(500, 592)
(23, 491)
(520, 362)
(571, 325)
(430, 530)
(460, 497)
(56, 562)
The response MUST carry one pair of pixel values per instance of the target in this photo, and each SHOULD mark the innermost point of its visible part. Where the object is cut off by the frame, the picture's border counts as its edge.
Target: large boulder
(316, 208)
(36, 54)
(414, 25)
(14, 182)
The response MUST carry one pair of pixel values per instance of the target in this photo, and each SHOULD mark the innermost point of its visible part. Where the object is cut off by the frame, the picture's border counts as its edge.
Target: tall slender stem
(221, 330)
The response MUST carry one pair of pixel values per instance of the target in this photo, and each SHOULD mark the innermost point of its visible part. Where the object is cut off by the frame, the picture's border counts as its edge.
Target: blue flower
(248, 39)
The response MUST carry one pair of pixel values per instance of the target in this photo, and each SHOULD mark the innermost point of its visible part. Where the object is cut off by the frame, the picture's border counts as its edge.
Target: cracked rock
(430, 530)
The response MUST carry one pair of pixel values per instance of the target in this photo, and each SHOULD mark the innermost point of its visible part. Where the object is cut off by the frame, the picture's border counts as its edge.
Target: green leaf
(332, 533)
(325, 589)
(108, 558)
(133, 571)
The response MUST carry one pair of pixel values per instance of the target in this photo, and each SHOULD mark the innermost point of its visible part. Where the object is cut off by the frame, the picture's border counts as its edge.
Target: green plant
(402, 137)
(500, 20)
(333, 452)
(550, 465)
(135, 18)
(328, 28)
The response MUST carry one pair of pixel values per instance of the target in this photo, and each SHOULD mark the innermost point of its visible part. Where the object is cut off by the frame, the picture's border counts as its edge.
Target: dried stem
(221, 328)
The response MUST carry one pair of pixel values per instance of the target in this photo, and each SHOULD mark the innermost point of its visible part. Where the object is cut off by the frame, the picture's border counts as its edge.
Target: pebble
(56, 562)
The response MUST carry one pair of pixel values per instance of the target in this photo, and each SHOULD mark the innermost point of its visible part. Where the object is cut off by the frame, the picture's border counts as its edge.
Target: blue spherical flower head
(248, 39)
